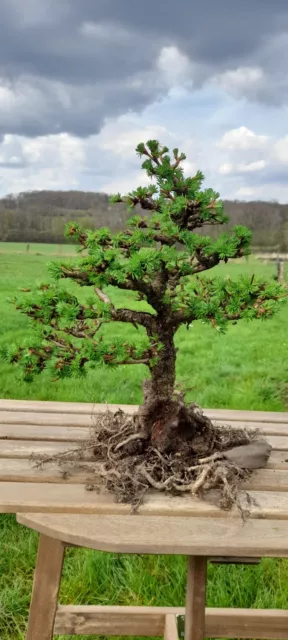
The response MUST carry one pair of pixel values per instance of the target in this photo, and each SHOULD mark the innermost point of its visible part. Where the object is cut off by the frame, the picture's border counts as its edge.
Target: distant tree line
(40, 216)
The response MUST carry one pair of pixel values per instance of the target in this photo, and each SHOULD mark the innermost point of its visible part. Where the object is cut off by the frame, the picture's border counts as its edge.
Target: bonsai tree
(162, 258)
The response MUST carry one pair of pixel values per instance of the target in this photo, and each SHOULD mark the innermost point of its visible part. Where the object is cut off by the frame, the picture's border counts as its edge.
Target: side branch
(143, 318)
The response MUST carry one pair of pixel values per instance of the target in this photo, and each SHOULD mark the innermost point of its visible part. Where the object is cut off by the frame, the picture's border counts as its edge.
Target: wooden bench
(55, 498)
(198, 538)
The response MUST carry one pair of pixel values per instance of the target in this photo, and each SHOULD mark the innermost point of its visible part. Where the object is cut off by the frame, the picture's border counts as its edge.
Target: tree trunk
(164, 417)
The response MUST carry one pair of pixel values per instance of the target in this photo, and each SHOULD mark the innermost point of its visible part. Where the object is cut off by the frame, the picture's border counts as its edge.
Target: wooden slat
(33, 432)
(89, 408)
(278, 460)
(150, 621)
(262, 480)
(278, 443)
(23, 470)
(26, 448)
(48, 433)
(70, 498)
(224, 535)
(267, 428)
(47, 419)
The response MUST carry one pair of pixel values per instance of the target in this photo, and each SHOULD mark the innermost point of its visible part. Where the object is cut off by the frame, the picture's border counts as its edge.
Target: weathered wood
(10, 448)
(195, 598)
(18, 442)
(23, 470)
(73, 498)
(47, 419)
(26, 449)
(278, 460)
(45, 589)
(150, 621)
(38, 433)
(91, 409)
(105, 620)
(262, 480)
(63, 434)
(171, 630)
(247, 623)
(163, 534)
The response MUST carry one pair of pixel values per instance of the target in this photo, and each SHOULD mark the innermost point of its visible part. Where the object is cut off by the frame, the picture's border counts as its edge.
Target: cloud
(281, 150)
(242, 138)
(107, 161)
(175, 67)
(240, 81)
(228, 168)
(81, 83)
(67, 66)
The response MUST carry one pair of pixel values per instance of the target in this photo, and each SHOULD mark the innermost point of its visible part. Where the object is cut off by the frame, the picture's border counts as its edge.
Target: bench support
(46, 586)
(195, 598)
(48, 618)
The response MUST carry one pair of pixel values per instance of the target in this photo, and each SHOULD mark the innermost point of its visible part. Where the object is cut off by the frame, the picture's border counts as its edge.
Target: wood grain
(150, 621)
(35, 432)
(171, 630)
(213, 537)
(89, 408)
(45, 589)
(195, 598)
(68, 433)
(24, 470)
(10, 448)
(26, 449)
(73, 498)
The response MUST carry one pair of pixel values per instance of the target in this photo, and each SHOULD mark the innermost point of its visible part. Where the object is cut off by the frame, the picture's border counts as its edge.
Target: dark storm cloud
(67, 65)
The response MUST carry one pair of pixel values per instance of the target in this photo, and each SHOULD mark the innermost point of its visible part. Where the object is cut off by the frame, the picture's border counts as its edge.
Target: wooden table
(175, 525)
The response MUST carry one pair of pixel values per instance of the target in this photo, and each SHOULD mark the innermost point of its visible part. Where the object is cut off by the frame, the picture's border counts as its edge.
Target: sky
(82, 83)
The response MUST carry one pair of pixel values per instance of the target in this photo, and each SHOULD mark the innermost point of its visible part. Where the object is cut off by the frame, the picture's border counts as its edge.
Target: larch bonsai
(162, 258)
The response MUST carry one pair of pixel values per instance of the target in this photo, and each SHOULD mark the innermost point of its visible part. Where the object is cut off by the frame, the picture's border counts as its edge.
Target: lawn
(245, 369)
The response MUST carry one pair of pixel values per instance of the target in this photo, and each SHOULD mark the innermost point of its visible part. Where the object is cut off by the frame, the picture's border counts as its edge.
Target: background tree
(145, 258)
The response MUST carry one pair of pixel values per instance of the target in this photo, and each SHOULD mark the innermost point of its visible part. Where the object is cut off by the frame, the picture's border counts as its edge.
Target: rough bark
(164, 417)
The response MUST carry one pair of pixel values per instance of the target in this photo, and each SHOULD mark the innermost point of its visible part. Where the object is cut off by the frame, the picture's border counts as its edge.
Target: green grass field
(245, 369)
(17, 248)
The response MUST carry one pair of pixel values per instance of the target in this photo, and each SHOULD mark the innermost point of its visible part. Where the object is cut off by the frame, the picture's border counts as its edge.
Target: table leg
(171, 631)
(195, 598)
(45, 589)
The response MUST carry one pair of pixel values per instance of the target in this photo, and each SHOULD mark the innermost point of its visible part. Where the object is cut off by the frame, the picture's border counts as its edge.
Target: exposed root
(134, 436)
(128, 464)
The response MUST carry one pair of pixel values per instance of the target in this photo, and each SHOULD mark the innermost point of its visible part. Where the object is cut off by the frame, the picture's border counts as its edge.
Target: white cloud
(243, 165)
(128, 183)
(281, 150)
(175, 67)
(242, 138)
(225, 169)
(239, 80)
(111, 138)
(228, 168)
(45, 162)
(190, 168)
(245, 192)
(258, 165)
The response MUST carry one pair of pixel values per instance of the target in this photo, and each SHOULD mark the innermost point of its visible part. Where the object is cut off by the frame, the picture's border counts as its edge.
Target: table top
(28, 427)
